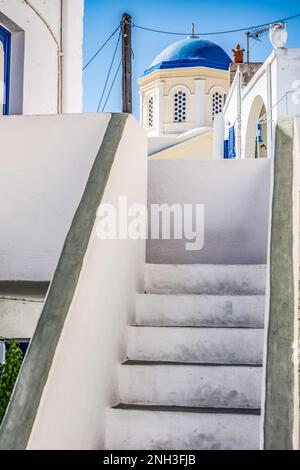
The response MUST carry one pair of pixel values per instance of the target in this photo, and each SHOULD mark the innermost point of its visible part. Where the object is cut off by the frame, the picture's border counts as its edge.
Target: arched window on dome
(180, 106)
(150, 112)
(218, 101)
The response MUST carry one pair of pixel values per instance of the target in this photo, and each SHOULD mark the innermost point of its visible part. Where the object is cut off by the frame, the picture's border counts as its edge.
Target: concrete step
(205, 279)
(18, 318)
(190, 385)
(200, 310)
(162, 430)
(21, 304)
(202, 345)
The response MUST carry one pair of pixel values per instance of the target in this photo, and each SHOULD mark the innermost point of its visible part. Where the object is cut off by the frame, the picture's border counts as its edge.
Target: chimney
(238, 55)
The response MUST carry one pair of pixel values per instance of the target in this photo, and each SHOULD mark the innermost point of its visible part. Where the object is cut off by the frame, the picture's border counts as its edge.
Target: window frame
(150, 98)
(5, 38)
(223, 93)
(183, 119)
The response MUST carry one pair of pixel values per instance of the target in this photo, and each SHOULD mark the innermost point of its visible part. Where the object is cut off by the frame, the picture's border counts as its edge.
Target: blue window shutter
(226, 149)
(231, 143)
(5, 38)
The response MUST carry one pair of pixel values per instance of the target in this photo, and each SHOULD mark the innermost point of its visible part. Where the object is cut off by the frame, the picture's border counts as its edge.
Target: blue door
(5, 39)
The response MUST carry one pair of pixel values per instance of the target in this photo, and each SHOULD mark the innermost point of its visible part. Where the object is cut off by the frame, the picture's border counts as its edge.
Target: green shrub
(8, 375)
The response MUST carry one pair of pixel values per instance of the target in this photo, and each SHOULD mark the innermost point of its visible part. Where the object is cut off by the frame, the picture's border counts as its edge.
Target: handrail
(262, 119)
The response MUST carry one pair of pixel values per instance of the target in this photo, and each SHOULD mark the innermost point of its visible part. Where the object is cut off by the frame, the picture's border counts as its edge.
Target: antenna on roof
(193, 35)
(256, 34)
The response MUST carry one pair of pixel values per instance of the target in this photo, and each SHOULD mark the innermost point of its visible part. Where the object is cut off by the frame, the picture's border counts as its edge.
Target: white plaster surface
(18, 318)
(181, 431)
(195, 345)
(235, 195)
(205, 279)
(40, 89)
(43, 175)
(200, 310)
(191, 385)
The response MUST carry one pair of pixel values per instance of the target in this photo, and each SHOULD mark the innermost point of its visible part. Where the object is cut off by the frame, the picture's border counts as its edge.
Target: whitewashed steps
(162, 430)
(200, 310)
(196, 345)
(193, 376)
(205, 279)
(190, 385)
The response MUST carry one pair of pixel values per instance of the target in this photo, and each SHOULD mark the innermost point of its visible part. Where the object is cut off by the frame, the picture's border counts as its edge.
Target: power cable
(112, 85)
(109, 71)
(215, 32)
(102, 47)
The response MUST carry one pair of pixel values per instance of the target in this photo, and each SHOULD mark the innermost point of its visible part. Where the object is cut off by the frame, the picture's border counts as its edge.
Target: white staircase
(193, 375)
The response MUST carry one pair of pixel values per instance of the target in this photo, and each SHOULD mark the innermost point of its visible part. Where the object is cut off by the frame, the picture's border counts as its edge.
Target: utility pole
(248, 47)
(126, 26)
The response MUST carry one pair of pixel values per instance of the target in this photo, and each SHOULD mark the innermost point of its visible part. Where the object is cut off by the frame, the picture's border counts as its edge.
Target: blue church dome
(191, 52)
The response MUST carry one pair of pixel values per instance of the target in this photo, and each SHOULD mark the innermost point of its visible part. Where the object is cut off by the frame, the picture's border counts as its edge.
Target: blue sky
(103, 16)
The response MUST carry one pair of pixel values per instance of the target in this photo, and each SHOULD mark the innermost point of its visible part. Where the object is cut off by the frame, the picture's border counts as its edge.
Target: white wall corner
(72, 61)
(218, 137)
(200, 104)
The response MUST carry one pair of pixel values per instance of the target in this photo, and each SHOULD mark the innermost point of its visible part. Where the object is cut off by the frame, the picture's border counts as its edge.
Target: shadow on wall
(258, 110)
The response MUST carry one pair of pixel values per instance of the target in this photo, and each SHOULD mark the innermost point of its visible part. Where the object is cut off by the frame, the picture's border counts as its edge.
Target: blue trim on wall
(187, 63)
(5, 38)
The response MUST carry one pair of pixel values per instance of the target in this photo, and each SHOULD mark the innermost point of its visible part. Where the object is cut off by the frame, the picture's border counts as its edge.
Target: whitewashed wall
(92, 343)
(230, 110)
(278, 75)
(235, 194)
(198, 83)
(34, 54)
(42, 178)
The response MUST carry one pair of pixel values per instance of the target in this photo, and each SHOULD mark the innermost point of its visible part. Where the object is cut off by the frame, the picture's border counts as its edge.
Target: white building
(252, 110)
(181, 93)
(41, 56)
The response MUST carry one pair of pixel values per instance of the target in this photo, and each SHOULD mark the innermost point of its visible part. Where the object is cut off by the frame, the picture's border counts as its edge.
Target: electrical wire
(109, 71)
(102, 47)
(215, 32)
(112, 85)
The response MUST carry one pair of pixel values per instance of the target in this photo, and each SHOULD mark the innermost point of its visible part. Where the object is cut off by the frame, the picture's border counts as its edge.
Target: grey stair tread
(23, 290)
(187, 409)
(130, 362)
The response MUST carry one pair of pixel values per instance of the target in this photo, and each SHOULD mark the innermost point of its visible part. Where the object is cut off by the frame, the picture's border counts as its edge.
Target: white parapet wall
(69, 375)
(83, 379)
(45, 163)
(235, 196)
